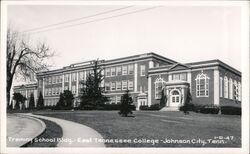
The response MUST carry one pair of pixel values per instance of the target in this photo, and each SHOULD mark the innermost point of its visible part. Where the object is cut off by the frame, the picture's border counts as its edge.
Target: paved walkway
(21, 129)
(75, 134)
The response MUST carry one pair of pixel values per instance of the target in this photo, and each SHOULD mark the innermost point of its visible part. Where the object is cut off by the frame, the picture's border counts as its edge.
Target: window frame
(198, 79)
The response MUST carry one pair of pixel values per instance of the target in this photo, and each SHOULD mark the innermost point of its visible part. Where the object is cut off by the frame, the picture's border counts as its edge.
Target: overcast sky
(182, 33)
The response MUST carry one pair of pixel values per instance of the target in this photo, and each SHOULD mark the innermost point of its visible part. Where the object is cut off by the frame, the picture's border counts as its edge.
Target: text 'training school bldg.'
(145, 75)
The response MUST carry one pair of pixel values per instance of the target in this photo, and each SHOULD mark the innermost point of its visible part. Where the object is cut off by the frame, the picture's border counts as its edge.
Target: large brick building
(145, 76)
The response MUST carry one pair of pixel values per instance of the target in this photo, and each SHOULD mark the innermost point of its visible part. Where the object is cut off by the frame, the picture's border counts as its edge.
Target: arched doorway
(175, 97)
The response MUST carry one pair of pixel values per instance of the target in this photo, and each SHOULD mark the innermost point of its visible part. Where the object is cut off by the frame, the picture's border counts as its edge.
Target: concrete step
(170, 109)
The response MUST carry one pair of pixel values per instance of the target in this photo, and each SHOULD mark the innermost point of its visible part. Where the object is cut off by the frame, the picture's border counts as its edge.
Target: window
(124, 70)
(112, 100)
(49, 91)
(81, 75)
(176, 76)
(143, 69)
(60, 90)
(221, 81)
(118, 85)
(66, 78)
(57, 79)
(57, 90)
(158, 87)
(124, 85)
(183, 76)
(225, 87)
(73, 76)
(239, 91)
(73, 89)
(113, 86)
(118, 99)
(119, 70)
(107, 72)
(230, 88)
(131, 69)
(53, 91)
(60, 78)
(235, 90)
(107, 86)
(66, 87)
(202, 85)
(113, 73)
(130, 85)
(50, 80)
(53, 79)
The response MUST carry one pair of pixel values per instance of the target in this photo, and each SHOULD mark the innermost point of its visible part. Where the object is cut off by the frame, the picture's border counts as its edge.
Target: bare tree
(24, 58)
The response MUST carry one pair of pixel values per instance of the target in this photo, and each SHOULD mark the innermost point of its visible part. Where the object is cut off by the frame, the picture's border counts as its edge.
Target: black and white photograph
(111, 77)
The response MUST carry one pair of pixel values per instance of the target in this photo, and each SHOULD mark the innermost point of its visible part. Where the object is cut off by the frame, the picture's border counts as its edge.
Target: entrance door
(175, 98)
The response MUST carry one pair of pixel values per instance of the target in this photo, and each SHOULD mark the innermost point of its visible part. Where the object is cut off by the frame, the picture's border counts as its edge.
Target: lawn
(170, 129)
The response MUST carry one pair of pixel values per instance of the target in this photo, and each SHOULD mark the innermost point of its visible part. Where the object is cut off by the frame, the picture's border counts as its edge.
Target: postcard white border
(245, 79)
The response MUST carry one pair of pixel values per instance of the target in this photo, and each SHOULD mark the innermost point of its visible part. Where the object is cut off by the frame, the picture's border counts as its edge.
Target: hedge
(230, 110)
(154, 107)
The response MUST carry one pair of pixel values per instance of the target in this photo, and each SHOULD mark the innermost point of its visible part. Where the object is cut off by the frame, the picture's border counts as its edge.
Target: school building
(147, 77)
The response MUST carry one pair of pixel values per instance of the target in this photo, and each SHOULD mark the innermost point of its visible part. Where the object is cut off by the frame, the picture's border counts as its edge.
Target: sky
(182, 33)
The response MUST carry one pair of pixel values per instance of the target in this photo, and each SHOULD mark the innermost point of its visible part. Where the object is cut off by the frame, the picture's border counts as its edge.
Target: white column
(62, 83)
(167, 91)
(85, 75)
(43, 86)
(26, 101)
(70, 81)
(151, 64)
(216, 87)
(169, 77)
(189, 79)
(35, 97)
(149, 91)
(77, 83)
(135, 78)
(183, 96)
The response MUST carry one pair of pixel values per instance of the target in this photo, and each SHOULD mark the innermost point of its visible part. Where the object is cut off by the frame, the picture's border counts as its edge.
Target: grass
(48, 138)
(159, 126)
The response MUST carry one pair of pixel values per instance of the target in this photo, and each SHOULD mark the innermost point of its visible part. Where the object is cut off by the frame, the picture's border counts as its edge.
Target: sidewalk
(22, 129)
(74, 134)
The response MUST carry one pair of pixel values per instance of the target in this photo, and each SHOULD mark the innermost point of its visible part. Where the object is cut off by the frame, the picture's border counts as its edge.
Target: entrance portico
(175, 92)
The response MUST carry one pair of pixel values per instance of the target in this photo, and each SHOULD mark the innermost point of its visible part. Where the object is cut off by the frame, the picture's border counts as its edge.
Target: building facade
(148, 77)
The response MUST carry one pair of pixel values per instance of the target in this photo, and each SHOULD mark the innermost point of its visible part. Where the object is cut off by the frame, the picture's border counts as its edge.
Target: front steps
(170, 109)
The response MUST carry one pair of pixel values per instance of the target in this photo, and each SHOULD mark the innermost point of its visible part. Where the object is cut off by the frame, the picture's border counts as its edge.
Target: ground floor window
(202, 85)
(158, 87)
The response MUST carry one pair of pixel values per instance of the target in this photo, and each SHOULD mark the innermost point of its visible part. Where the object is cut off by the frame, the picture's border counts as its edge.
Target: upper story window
(225, 87)
(66, 78)
(130, 85)
(73, 77)
(221, 84)
(119, 70)
(124, 70)
(50, 80)
(239, 91)
(202, 85)
(73, 89)
(81, 75)
(180, 76)
(113, 73)
(107, 70)
(143, 70)
(107, 86)
(131, 69)
(118, 85)
(230, 88)
(112, 86)
(124, 85)
(54, 79)
(158, 87)
(236, 91)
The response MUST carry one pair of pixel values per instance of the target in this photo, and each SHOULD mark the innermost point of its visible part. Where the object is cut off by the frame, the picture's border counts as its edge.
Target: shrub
(109, 107)
(154, 107)
(210, 109)
(144, 107)
(230, 110)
